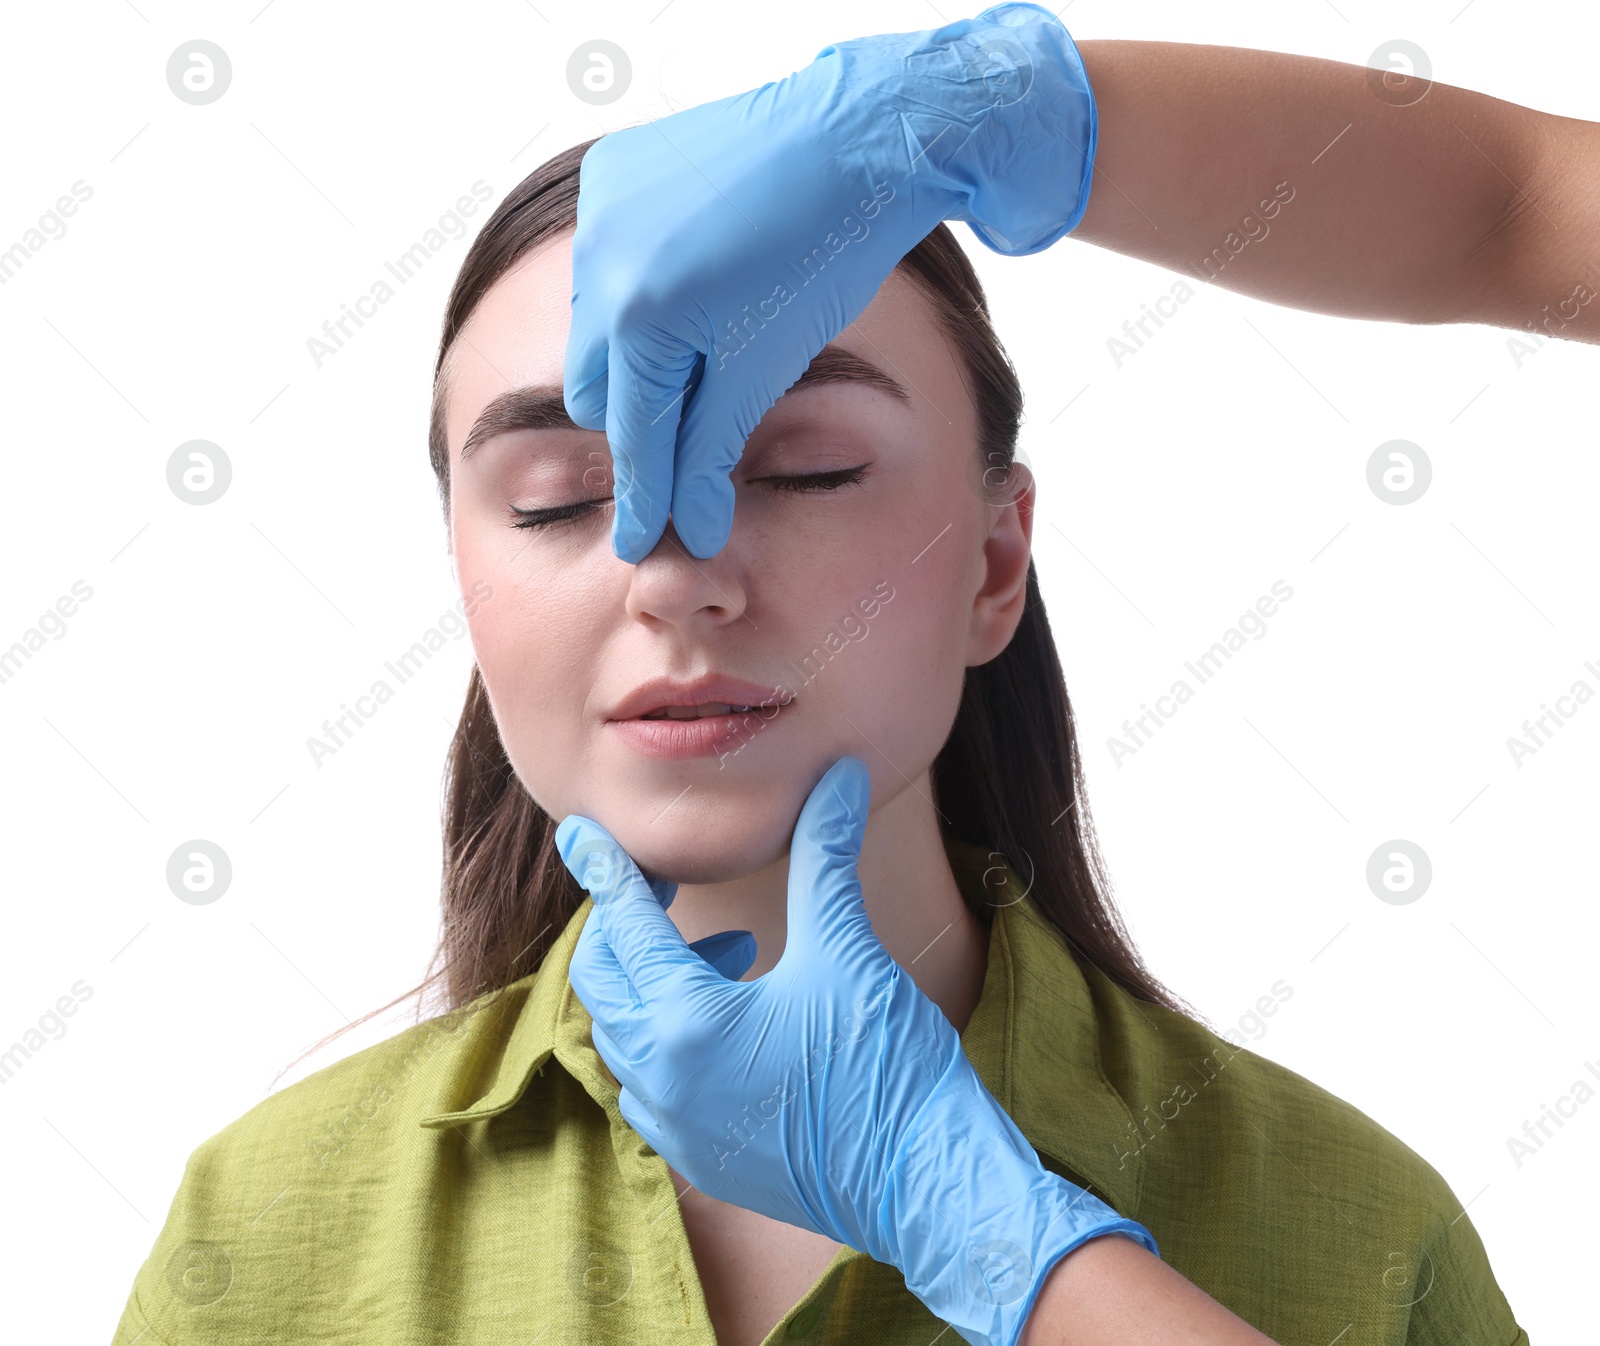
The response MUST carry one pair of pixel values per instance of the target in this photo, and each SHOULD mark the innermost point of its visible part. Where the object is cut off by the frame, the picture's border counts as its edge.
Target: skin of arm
(1112, 1291)
(1456, 207)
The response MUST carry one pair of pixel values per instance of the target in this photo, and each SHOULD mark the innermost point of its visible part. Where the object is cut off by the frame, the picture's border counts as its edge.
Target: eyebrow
(543, 407)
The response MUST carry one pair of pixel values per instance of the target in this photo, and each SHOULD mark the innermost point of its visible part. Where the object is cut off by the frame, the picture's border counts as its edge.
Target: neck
(911, 897)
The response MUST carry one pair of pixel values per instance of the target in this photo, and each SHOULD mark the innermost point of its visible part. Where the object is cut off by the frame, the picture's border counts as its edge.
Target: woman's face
(851, 612)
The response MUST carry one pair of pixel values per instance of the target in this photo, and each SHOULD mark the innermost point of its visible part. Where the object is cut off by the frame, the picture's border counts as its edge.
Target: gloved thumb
(824, 887)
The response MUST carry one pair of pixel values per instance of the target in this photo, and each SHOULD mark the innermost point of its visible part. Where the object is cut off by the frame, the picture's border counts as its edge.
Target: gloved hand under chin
(717, 250)
(830, 1093)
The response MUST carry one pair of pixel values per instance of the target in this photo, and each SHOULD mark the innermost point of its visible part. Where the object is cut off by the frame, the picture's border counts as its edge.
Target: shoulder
(371, 1097)
(312, 1167)
(1266, 1182)
(1191, 1094)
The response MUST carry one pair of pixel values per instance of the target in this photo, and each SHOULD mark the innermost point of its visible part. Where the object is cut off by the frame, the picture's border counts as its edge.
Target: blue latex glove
(830, 1093)
(719, 249)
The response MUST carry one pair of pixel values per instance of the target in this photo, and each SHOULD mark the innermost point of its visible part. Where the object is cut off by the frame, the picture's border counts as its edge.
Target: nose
(673, 586)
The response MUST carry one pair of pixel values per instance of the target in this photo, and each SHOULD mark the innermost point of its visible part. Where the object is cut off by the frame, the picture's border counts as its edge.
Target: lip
(709, 689)
(711, 736)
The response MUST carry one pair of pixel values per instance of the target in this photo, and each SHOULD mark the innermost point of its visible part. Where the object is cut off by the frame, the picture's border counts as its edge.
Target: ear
(1007, 550)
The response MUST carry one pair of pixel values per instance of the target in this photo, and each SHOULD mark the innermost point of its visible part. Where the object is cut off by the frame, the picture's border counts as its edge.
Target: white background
(1229, 453)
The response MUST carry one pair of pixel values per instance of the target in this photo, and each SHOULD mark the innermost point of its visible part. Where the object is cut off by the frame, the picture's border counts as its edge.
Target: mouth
(714, 714)
(703, 712)
(721, 729)
(706, 697)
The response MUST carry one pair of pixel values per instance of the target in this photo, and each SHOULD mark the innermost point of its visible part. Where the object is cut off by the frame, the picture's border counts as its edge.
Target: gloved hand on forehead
(830, 1093)
(719, 249)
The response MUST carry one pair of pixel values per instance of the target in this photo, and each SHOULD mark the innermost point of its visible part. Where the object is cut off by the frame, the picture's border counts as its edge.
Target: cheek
(900, 682)
(545, 584)
(536, 642)
(893, 579)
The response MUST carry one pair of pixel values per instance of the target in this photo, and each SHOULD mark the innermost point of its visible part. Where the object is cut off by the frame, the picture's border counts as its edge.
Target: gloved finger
(731, 952)
(644, 403)
(584, 373)
(655, 957)
(661, 966)
(726, 407)
(603, 988)
(617, 1061)
(824, 888)
(638, 1117)
(584, 370)
(664, 890)
(723, 412)
(635, 1113)
(648, 946)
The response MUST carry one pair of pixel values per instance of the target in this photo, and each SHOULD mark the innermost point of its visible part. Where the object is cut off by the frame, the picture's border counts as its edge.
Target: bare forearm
(1112, 1291)
(1456, 207)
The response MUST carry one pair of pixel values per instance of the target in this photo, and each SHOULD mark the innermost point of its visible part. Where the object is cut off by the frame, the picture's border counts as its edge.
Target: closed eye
(554, 515)
(808, 481)
(819, 481)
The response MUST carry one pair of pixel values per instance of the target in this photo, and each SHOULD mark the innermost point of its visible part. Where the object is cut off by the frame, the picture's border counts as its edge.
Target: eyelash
(811, 481)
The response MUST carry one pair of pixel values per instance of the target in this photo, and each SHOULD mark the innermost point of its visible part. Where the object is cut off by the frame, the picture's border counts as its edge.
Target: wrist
(1043, 102)
(974, 1221)
(989, 120)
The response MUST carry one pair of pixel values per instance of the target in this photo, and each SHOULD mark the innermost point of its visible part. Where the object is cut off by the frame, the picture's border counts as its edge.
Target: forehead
(517, 336)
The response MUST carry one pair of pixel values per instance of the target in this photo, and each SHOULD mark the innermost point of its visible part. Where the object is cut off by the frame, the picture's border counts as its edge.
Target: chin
(686, 854)
(710, 839)
(722, 829)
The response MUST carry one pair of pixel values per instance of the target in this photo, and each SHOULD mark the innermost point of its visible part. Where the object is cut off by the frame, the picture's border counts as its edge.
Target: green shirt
(471, 1180)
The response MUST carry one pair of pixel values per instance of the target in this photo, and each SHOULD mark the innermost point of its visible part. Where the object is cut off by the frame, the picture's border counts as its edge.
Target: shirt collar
(1034, 1038)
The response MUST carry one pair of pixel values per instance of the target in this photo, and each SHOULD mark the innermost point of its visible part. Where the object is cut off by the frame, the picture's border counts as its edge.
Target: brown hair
(1009, 777)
